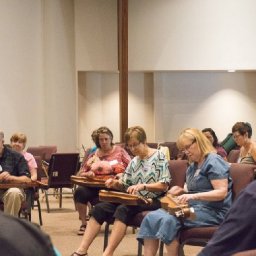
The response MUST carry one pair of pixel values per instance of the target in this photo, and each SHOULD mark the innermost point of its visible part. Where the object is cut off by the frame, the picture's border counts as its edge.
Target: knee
(14, 194)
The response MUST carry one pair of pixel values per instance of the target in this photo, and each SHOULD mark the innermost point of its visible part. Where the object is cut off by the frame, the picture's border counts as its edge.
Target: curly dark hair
(212, 132)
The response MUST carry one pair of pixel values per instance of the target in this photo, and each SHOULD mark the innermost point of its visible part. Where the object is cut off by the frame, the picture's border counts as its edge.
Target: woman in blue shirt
(208, 191)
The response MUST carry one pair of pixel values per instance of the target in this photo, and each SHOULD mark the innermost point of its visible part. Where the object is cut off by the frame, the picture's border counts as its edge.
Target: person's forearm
(19, 179)
(156, 187)
(214, 195)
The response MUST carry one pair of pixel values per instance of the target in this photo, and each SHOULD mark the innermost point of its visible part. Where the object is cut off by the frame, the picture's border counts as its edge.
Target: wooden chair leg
(39, 212)
(47, 201)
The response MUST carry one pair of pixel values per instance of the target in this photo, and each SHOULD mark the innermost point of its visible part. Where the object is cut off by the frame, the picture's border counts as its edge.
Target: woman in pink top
(18, 143)
(108, 159)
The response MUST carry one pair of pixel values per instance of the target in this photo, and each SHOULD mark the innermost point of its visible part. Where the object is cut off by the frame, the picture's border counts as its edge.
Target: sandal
(81, 230)
(78, 254)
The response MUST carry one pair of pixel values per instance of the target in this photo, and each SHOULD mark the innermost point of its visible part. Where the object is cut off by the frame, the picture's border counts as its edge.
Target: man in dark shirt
(238, 230)
(13, 169)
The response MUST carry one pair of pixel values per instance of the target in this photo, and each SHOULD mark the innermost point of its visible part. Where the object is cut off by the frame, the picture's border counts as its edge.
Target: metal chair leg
(60, 197)
(39, 212)
(161, 249)
(106, 232)
(139, 249)
(47, 201)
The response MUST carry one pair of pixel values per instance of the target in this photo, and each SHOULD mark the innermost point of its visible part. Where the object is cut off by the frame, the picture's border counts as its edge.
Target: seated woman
(212, 137)
(208, 192)
(147, 175)
(106, 160)
(242, 133)
(18, 143)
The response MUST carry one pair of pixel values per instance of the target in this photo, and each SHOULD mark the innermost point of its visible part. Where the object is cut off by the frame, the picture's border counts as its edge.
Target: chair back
(242, 175)
(48, 151)
(173, 149)
(36, 151)
(40, 172)
(178, 170)
(62, 166)
(233, 156)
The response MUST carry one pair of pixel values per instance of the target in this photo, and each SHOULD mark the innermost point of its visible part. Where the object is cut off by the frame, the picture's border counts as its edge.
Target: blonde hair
(195, 135)
(18, 136)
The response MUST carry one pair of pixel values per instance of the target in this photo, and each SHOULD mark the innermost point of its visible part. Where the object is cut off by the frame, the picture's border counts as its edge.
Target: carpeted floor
(62, 225)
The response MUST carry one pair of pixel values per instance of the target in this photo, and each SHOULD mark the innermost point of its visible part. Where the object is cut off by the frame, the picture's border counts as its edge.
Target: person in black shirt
(13, 169)
(238, 230)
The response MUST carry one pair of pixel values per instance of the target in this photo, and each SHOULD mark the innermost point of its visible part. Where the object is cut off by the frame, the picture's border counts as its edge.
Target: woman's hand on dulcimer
(134, 189)
(113, 183)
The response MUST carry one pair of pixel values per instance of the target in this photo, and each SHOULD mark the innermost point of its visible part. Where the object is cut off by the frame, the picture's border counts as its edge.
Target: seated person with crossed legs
(147, 175)
(208, 192)
(14, 169)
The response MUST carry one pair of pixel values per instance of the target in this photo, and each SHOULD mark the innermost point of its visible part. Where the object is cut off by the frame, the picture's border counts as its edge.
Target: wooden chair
(242, 175)
(61, 167)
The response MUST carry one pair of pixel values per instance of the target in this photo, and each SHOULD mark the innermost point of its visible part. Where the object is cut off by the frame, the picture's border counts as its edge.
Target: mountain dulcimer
(170, 204)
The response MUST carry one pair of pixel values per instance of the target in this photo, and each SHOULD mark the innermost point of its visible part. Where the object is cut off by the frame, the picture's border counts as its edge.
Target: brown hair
(101, 130)
(242, 128)
(140, 134)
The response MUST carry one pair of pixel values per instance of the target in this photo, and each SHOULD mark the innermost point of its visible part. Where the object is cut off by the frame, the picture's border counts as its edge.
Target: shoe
(81, 230)
(78, 254)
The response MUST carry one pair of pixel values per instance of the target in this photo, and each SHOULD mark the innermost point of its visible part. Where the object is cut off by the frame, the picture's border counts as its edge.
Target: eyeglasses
(186, 148)
(236, 136)
(135, 145)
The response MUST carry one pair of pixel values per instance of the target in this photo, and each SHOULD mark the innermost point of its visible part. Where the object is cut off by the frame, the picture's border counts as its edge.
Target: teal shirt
(151, 170)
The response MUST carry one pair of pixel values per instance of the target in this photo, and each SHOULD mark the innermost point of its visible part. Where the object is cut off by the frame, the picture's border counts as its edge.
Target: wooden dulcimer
(98, 181)
(122, 198)
(30, 184)
(171, 205)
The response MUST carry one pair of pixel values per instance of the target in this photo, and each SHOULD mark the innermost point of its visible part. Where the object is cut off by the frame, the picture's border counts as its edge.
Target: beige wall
(21, 77)
(37, 81)
(192, 35)
(59, 67)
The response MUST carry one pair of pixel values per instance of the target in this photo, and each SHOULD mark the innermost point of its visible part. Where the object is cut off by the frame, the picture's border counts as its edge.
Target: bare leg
(117, 234)
(150, 247)
(172, 248)
(93, 228)
(82, 211)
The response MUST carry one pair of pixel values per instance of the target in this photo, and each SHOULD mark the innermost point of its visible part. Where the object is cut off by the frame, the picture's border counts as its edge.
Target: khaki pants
(12, 199)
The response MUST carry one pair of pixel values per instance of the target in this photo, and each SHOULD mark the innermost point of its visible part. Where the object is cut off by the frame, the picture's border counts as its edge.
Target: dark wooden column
(123, 64)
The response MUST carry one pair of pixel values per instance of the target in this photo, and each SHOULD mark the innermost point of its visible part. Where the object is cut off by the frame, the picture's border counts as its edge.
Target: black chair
(61, 167)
